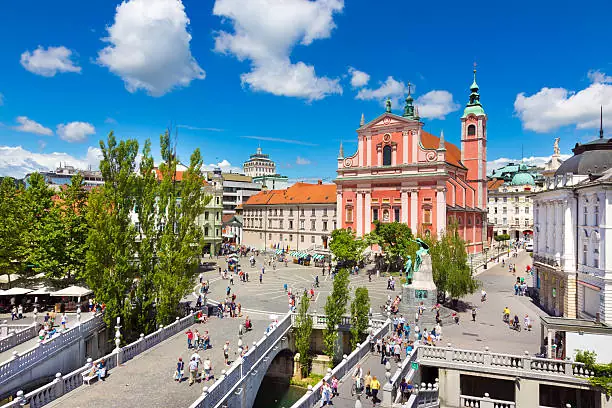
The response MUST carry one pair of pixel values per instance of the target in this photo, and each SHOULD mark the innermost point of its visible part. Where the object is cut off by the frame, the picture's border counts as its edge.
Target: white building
(573, 218)
(237, 188)
(259, 165)
(211, 220)
(301, 217)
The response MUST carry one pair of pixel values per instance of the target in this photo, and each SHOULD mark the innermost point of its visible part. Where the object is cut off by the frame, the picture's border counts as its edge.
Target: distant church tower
(474, 145)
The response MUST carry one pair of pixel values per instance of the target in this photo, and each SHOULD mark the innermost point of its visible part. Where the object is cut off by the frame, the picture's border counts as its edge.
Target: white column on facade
(558, 223)
(360, 155)
(405, 147)
(369, 151)
(414, 210)
(404, 198)
(569, 244)
(339, 208)
(440, 210)
(394, 155)
(359, 214)
(367, 217)
(379, 156)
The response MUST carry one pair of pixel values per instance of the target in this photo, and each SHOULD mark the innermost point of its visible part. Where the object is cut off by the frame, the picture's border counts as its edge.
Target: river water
(276, 394)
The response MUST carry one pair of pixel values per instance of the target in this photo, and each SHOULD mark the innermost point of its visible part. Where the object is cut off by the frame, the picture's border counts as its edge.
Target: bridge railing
(64, 384)
(346, 365)
(45, 349)
(496, 361)
(469, 401)
(243, 366)
(15, 335)
(404, 371)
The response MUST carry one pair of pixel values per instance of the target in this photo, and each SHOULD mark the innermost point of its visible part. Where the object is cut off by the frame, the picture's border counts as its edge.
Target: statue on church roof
(388, 105)
(556, 147)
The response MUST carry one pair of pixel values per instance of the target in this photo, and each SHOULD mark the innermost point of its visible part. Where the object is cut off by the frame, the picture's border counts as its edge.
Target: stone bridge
(62, 353)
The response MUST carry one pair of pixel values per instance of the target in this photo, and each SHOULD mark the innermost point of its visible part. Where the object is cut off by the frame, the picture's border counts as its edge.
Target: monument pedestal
(422, 289)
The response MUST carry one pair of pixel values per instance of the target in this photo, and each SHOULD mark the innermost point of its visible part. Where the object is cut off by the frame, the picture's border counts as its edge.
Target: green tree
(303, 330)
(394, 238)
(111, 268)
(62, 245)
(346, 247)
(335, 308)
(602, 373)
(449, 259)
(181, 239)
(360, 310)
(13, 237)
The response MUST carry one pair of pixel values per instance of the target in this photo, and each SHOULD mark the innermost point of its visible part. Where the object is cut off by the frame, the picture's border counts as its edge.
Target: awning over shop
(5, 278)
(73, 291)
(16, 292)
(41, 291)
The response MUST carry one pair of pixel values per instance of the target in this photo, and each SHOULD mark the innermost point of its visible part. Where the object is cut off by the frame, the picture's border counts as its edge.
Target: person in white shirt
(193, 370)
(357, 376)
(207, 366)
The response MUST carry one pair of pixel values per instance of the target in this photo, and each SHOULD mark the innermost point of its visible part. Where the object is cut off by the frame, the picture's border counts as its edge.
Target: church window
(374, 214)
(427, 216)
(471, 130)
(596, 215)
(469, 220)
(349, 215)
(385, 215)
(387, 155)
(396, 215)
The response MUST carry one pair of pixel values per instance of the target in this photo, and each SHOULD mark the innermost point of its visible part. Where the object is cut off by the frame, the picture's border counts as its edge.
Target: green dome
(475, 109)
(520, 179)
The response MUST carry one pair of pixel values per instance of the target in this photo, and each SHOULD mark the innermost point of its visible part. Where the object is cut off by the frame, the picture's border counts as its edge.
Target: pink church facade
(402, 173)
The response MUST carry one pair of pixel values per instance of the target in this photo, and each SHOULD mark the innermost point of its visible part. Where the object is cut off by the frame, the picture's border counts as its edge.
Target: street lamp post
(485, 250)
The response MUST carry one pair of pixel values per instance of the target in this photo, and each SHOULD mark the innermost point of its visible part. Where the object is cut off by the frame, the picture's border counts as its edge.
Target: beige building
(300, 217)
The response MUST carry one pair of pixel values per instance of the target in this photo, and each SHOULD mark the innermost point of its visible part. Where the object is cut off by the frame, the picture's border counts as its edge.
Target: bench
(88, 377)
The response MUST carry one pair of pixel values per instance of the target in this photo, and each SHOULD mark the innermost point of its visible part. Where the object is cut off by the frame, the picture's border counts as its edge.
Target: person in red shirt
(189, 334)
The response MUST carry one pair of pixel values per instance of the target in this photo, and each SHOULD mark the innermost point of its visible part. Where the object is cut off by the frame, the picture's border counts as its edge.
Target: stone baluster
(527, 362)
(387, 391)
(204, 392)
(20, 398)
(58, 384)
(141, 343)
(118, 342)
(89, 363)
(4, 329)
(569, 369)
(486, 401)
(448, 353)
(487, 357)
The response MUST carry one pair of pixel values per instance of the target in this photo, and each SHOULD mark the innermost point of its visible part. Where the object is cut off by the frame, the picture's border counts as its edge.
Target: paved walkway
(147, 379)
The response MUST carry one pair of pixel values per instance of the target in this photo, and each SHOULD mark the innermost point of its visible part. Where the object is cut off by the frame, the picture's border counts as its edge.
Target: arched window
(471, 130)
(387, 155)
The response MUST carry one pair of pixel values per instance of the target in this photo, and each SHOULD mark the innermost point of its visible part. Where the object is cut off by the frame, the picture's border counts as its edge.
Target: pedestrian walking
(226, 350)
(260, 278)
(20, 311)
(63, 321)
(375, 386)
(180, 367)
(193, 370)
(473, 314)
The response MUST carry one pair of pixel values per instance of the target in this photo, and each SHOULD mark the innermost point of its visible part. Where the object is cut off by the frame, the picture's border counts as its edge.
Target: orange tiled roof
(453, 154)
(179, 176)
(299, 193)
(494, 184)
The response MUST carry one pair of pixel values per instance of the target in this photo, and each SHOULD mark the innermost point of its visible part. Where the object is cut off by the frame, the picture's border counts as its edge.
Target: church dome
(521, 179)
(593, 157)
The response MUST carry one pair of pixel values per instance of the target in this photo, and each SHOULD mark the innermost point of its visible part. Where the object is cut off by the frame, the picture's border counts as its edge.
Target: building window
(526, 210)
(504, 210)
(516, 199)
(280, 237)
(325, 212)
(596, 215)
(324, 225)
(526, 223)
(495, 210)
(217, 200)
(385, 215)
(374, 214)
(312, 239)
(505, 199)
(516, 210)
(495, 222)
(516, 221)
(469, 220)
(427, 216)
(269, 223)
(275, 211)
(349, 215)
(290, 238)
(504, 222)
(206, 215)
(270, 237)
(312, 225)
(301, 238)
(280, 224)
(596, 257)
(290, 224)
(396, 214)
(302, 225)
(302, 212)
(471, 130)
(387, 155)
(261, 235)
(584, 215)
(584, 254)
(335, 225)
(205, 231)
(291, 212)
(313, 212)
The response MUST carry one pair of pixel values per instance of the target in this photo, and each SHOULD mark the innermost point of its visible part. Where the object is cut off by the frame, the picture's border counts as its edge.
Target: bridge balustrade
(17, 335)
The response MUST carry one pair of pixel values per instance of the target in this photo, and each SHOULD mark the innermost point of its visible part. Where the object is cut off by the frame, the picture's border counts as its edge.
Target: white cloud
(265, 32)
(149, 46)
(539, 161)
(436, 104)
(391, 88)
(300, 161)
(75, 131)
(224, 165)
(552, 108)
(358, 78)
(17, 161)
(49, 62)
(110, 121)
(29, 126)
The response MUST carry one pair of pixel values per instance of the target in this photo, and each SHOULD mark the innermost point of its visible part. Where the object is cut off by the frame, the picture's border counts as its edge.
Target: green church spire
(474, 106)
(409, 108)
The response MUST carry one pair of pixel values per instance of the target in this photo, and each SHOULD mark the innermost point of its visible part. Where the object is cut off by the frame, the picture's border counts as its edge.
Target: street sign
(415, 365)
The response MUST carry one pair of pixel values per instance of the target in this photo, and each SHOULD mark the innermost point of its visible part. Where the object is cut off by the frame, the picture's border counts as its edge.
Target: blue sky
(291, 75)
